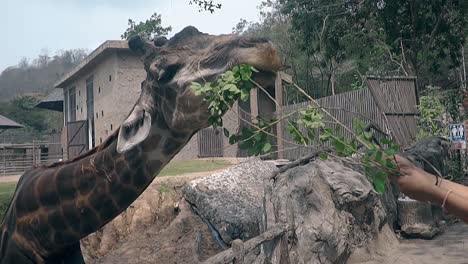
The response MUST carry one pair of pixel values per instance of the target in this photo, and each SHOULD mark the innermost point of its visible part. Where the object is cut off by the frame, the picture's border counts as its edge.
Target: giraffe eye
(168, 73)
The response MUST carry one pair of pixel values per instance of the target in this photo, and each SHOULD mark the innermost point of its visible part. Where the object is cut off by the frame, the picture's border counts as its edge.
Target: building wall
(115, 96)
(117, 99)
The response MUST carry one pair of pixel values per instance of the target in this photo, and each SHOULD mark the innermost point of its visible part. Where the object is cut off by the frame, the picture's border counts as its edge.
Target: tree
(148, 30)
(206, 5)
(422, 36)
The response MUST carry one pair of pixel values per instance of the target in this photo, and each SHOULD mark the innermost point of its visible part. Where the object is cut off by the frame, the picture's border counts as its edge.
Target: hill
(37, 77)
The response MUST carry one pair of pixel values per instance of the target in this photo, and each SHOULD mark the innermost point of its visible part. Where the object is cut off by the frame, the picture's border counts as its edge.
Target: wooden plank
(279, 114)
(228, 256)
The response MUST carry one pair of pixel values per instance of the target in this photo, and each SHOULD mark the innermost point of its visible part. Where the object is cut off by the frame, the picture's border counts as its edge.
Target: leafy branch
(309, 127)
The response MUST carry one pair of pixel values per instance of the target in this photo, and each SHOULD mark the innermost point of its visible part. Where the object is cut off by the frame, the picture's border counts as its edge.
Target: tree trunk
(416, 219)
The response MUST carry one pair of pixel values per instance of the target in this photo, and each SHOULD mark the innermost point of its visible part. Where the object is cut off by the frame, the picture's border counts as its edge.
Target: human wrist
(437, 195)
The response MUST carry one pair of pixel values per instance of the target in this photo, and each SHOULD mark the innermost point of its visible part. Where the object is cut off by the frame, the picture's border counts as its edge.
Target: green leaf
(323, 156)
(324, 137)
(379, 186)
(378, 156)
(386, 141)
(233, 139)
(266, 147)
(368, 135)
(339, 146)
(244, 95)
(226, 132)
(390, 152)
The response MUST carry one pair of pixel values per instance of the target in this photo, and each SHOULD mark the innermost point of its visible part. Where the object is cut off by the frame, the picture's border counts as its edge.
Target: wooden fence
(17, 158)
(210, 142)
(240, 249)
(389, 103)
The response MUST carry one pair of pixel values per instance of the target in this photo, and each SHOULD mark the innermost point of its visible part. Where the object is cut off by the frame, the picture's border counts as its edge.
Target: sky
(31, 26)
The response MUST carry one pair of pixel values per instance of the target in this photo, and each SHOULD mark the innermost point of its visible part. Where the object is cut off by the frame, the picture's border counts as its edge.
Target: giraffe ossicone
(54, 207)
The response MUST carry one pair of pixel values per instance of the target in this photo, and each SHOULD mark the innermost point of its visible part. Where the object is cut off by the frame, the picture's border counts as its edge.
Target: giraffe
(54, 206)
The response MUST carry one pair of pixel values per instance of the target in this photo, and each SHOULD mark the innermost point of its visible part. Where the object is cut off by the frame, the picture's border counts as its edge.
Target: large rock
(430, 154)
(332, 209)
(230, 202)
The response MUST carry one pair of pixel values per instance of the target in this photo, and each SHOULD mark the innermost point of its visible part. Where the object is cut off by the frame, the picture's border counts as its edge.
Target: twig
(330, 115)
(303, 160)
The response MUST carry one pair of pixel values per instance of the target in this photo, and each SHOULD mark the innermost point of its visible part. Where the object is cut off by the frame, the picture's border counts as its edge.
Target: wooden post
(4, 161)
(254, 104)
(279, 114)
(33, 153)
(238, 250)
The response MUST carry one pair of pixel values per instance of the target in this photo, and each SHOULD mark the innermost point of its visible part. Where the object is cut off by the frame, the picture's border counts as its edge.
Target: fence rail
(17, 158)
(239, 249)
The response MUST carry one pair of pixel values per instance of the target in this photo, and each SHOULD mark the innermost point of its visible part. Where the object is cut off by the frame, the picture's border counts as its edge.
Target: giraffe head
(172, 65)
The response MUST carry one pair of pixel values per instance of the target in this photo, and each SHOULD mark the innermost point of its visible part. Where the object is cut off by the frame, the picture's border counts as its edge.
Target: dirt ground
(449, 247)
(158, 228)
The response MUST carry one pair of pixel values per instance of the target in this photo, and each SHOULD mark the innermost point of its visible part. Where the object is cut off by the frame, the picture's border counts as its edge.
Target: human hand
(413, 181)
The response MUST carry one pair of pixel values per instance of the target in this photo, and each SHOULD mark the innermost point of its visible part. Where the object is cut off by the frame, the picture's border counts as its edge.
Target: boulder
(332, 209)
(230, 202)
(431, 154)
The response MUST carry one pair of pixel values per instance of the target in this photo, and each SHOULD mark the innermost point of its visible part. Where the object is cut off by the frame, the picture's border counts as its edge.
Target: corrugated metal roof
(53, 101)
(6, 123)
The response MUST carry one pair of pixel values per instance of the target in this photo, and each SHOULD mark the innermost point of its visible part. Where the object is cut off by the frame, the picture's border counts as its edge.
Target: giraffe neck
(75, 199)
(122, 177)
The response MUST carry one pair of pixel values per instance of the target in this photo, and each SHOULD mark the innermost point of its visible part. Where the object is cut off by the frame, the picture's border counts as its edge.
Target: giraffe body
(55, 206)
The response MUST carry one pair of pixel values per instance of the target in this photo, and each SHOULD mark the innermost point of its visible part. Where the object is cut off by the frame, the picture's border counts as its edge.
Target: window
(102, 113)
(110, 78)
(100, 140)
(72, 105)
(79, 93)
(111, 127)
(99, 89)
(97, 115)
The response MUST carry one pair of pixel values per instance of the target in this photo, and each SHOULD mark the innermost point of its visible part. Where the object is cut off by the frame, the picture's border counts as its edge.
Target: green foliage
(309, 118)
(329, 45)
(22, 110)
(310, 125)
(221, 94)
(37, 76)
(431, 111)
(378, 162)
(148, 30)
(206, 5)
(420, 33)
(256, 142)
(437, 108)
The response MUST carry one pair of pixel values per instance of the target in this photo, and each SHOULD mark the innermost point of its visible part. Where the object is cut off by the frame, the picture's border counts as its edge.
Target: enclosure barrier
(239, 248)
(15, 159)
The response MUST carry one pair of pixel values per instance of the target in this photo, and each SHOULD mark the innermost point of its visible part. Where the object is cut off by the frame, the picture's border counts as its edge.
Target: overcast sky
(29, 26)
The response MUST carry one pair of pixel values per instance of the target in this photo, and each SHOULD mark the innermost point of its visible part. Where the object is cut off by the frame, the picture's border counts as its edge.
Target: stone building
(100, 92)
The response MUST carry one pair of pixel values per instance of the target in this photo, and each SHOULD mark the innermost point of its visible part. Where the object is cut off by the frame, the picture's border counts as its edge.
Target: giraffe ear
(134, 130)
